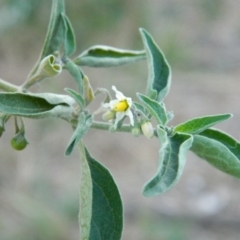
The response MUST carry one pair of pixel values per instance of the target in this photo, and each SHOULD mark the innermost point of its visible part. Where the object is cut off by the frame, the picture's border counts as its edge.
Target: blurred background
(39, 186)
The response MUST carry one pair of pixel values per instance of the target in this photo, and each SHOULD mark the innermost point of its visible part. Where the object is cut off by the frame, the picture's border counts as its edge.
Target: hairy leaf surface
(197, 125)
(155, 108)
(159, 78)
(69, 38)
(232, 144)
(217, 154)
(84, 123)
(40, 105)
(171, 163)
(104, 220)
(105, 56)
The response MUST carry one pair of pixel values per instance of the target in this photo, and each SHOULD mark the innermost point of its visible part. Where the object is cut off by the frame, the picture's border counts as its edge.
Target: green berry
(19, 141)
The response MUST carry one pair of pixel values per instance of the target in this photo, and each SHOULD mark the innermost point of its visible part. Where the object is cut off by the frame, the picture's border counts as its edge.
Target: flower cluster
(119, 108)
(122, 106)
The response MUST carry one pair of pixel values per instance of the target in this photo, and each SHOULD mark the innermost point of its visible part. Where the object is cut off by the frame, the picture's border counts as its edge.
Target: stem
(8, 87)
(105, 126)
(31, 81)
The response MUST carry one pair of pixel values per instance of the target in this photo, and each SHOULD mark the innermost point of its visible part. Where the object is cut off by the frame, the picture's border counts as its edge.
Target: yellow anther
(121, 106)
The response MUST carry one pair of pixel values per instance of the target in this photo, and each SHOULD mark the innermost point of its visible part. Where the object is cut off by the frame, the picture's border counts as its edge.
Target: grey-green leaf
(78, 98)
(105, 56)
(69, 40)
(76, 73)
(171, 163)
(155, 108)
(84, 123)
(106, 220)
(55, 33)
(39, 105)
(85, 196)
(141, 109)
(197, 125)
(217, 154)
(232, 144)
(159, 77)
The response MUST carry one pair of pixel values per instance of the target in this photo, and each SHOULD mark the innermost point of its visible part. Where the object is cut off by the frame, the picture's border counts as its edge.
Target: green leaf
(105, 56)
(76, 73)
(159, 79)
(55, 33)
(197, 125)
(85, 196)
(76, 96)
(84, 123)
(232, 144)
(155, 108)
(217, 154)
(39, 105)
(69, 41)
(141, 109)
(101, 214)
(172, 161)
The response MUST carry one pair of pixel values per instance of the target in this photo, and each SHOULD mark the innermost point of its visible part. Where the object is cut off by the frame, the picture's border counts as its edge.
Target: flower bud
(136, 131)
(109, 115)
(88, 91)
(147, 129)
(19, 141)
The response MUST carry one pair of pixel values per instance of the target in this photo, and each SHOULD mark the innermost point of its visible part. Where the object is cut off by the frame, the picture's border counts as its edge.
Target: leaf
(217, 154)
(76, 96)
(84, 123)
(69, 40)
(55, 32)
(155, 108)
(232, 144)
(197, 125)
(101, 214)
(105, 56)
(85, 196)
(172, 161)
(159, 79)
(141, 109)
(76, 73)
(40, 105)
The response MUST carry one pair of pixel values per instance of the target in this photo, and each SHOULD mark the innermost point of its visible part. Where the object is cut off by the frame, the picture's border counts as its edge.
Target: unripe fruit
(19, 141)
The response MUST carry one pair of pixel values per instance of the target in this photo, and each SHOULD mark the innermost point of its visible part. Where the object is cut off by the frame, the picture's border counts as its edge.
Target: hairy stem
(34, 79)
(8, 87)
(105, 126)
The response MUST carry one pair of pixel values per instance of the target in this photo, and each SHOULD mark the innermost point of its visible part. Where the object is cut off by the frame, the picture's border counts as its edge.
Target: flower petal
(119, 117)
(119, 95)
(129, 101)
(130, 115)
(111, 104)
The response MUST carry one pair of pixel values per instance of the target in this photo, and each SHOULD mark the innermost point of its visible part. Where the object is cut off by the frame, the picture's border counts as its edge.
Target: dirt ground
(39, 186)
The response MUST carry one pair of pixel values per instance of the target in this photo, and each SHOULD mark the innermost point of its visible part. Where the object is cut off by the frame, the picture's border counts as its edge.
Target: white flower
(121, 106)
